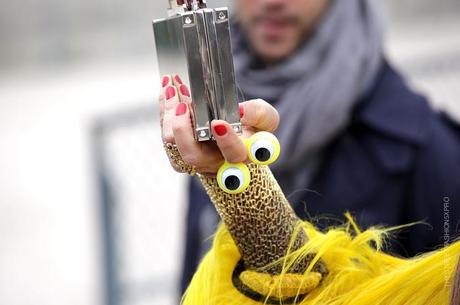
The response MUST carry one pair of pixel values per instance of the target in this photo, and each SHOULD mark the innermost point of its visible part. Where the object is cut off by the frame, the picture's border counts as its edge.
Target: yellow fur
(359, 273)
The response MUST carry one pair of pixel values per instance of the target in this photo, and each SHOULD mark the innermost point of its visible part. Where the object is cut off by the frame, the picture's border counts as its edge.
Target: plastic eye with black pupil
(263, 148)
(233, 178)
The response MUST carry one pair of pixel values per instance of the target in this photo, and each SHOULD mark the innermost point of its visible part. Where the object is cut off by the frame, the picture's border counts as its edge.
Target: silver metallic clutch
(194, 42)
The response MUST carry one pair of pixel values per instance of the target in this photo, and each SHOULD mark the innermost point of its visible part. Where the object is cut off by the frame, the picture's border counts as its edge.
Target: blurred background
(90, 212)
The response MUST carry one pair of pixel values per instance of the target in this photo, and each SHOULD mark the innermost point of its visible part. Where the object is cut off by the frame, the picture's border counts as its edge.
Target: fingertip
(177, 80)
(229, 143)
(170, 92)
(180, 122)
(220, 128)
(165, 80)
(181, 109)
(184, 90)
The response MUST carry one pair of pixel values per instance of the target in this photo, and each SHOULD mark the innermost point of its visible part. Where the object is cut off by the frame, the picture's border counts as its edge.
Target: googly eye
(263, 148)
(233, 178)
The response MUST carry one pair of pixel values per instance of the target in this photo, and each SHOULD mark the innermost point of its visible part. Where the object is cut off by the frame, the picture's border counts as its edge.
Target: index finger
(229, 143)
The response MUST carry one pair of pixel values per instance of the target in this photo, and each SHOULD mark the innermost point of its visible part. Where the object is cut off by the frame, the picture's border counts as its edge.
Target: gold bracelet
(174, 155)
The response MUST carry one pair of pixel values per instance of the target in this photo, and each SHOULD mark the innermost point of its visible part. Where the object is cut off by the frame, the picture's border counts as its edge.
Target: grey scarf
(316, 89)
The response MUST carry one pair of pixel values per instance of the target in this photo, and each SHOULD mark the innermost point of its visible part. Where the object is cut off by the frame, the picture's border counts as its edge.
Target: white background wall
(65, 63)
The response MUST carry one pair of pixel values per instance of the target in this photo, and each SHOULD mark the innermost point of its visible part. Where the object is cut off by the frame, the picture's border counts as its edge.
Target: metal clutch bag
(194, 42)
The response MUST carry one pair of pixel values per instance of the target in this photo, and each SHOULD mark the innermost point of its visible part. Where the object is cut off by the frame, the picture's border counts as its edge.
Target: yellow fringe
(359, 273)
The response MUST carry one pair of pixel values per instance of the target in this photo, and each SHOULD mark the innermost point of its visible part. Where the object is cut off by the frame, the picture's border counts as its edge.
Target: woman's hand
(207, 157)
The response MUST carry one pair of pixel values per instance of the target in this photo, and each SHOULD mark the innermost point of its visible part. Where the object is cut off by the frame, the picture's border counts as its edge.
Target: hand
(207, 157)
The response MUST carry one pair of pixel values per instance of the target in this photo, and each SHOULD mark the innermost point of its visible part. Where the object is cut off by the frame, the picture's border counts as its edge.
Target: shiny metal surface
(197, 46)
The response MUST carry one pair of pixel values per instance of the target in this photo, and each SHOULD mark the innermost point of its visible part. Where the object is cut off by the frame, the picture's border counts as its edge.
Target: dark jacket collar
(393, 109)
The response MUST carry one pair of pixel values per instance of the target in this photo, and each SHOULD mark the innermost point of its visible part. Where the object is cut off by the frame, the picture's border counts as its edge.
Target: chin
(274, 48)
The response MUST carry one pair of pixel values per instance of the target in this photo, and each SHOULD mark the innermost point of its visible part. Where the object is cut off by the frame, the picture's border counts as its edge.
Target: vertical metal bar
(212, 52)
(193, 23)
(228, 103)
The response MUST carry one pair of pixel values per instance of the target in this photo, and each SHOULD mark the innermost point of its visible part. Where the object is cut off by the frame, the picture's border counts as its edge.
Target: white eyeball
(263, 148)
(233, 178)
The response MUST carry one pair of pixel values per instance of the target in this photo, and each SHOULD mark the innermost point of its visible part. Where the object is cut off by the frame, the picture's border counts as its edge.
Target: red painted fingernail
(241, 111)
(220, 130)
(165, 81)
(170, 93)
(178, 80)
(181, 109)
(184, 90)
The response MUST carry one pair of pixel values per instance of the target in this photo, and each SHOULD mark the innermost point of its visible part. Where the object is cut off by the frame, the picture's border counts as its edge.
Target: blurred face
(276, 28)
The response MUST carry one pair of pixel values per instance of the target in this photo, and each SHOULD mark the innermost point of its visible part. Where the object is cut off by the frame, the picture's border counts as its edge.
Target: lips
(274, 27)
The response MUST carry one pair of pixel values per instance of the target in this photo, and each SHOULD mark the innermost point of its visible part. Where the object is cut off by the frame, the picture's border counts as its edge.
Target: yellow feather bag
(263, 254)
(359, 273)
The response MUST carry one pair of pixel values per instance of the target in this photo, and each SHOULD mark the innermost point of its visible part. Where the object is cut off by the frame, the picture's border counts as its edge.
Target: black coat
(398, 162)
